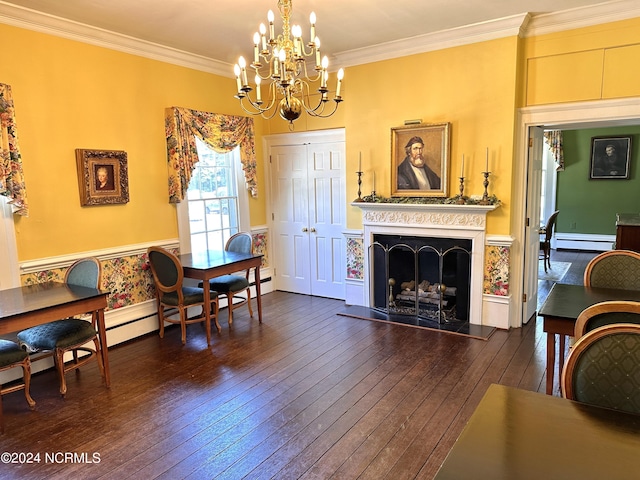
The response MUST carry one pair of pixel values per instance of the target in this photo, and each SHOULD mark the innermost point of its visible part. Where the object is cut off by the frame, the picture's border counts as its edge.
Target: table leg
(206, 308)
(104, 349)
(256, 276)
(561, 355)
(551, 361)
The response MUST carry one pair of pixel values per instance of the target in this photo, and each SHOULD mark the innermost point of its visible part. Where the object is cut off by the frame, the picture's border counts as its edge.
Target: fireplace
(423, 235)
(425, 277)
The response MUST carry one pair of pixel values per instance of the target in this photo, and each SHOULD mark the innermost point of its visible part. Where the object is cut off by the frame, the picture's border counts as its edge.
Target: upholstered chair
(606, 313)
(70, 334)
(603, 368)
(232, 286)
(545, 243)
(614, 269)
(173, 296)
(11, 355)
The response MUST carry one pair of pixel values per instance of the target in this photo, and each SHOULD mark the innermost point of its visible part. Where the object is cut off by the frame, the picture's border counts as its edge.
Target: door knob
(305, 229)
(313, 230)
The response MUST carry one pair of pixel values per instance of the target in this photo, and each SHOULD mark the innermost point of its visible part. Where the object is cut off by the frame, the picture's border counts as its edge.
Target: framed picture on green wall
(610, 157)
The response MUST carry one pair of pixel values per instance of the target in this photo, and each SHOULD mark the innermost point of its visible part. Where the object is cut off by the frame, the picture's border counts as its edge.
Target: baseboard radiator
(583, 241)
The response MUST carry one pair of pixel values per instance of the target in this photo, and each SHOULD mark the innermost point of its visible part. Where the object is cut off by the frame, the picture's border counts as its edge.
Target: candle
(374, 181)
(360, 163)
(487, 165)
(462, 168)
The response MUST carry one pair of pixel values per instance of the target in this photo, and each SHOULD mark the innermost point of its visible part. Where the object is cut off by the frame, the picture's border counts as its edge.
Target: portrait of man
(413, 172)
(419, 160)
(610, 158)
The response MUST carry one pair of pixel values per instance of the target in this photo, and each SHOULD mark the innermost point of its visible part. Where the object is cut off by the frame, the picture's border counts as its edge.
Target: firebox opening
(422, 277)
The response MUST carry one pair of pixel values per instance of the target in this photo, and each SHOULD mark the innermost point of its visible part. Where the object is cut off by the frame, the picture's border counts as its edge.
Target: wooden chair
(603, 368)
(231, 286)
(172, 295)
(11, 355)
(606, 313)
(545, 243)
(71, 334)
(614, 269)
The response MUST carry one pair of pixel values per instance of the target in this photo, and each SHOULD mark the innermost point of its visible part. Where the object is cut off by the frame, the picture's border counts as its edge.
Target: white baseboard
(496, 311)
(582, 241)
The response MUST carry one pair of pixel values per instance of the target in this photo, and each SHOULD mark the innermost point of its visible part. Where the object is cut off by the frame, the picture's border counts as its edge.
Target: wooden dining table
(27, 306)
(560, 311)
(518, 434)
(215, 263)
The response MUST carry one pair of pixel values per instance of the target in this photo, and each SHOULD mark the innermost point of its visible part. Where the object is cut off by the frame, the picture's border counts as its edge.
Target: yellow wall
(594, 63)
(71, 95)
(472, 87)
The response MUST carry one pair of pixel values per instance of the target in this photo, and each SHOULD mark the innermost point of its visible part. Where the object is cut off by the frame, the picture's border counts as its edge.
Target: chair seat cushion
(10, 353)
(228, 283)
(58, 334)
(191, 295)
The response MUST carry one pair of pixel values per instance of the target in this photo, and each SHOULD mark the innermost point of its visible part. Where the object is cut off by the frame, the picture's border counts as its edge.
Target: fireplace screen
(421, 277)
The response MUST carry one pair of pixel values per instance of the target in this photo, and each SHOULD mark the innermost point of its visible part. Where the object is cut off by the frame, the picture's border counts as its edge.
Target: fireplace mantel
(430, 220)
(472, 217)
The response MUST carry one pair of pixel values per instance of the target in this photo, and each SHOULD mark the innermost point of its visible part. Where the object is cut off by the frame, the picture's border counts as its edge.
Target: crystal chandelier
(281, 62)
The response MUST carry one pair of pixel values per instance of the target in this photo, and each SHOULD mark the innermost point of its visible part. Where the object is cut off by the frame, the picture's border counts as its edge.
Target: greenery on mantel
(493, 200)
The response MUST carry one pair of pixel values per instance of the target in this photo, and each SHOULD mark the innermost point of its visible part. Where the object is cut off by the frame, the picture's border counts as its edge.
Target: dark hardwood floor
(307, 394)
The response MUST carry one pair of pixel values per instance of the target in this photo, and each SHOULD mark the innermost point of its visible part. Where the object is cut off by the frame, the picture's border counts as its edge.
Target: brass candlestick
(485, 195)
(359, 199)
(461, 200)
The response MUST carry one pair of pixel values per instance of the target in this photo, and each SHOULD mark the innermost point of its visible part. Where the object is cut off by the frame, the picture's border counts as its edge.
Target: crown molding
(478, 32)
(26, 18)
(583, 17)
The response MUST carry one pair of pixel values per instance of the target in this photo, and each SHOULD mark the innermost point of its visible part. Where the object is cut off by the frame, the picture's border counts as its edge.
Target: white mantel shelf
(472, 217)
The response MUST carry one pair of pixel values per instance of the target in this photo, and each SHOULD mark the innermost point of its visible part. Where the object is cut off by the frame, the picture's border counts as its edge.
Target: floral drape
(554, 140)
(221, 132)
(11, 176)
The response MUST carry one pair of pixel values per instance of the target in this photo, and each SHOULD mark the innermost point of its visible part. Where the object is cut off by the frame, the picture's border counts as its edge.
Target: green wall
(590, 206)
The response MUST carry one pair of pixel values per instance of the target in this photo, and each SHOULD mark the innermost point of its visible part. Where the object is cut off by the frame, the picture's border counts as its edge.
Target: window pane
(212, 197)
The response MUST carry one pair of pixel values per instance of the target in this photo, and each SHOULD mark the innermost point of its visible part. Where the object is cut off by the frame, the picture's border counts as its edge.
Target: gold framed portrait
(102, 177)
(420, 160)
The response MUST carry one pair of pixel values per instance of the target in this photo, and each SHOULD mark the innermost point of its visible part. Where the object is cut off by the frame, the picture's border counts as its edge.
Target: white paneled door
(308, 220)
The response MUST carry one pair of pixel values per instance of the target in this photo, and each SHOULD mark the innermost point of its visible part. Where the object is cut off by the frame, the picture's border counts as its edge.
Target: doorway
(577, 115)
(308, 205)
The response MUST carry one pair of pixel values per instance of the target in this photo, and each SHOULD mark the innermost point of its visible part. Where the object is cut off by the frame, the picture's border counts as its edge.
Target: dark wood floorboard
(308, 394)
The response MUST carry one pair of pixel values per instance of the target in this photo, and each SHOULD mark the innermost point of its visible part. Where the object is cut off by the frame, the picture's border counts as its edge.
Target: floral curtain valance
(11, 176)
(554, 140)
(221, 132)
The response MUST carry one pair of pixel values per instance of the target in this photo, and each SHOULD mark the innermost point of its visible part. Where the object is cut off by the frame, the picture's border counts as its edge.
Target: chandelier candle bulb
(271, 17)
(325, 65)
(256, 48)
(258, 97)
(263, 31)
(243, 71)
(312, 21)
(340, 77)
(236, 70)
(317, 42)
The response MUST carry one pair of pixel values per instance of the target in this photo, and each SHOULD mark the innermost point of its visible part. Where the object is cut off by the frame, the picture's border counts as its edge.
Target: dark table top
(214, 258)
(517, 434)
(567, 301)
(32, 298)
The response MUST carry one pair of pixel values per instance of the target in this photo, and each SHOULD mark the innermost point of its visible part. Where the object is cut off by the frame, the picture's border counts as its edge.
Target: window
(213, 207)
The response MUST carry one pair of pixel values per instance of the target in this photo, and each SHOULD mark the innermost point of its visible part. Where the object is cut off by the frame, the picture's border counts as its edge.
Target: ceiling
(222, 30)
